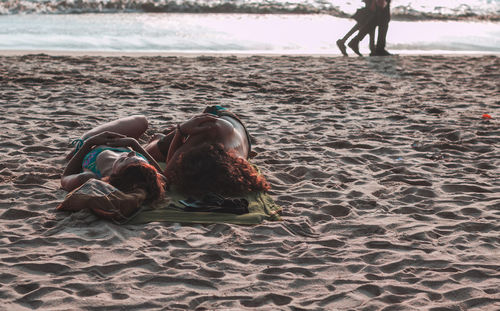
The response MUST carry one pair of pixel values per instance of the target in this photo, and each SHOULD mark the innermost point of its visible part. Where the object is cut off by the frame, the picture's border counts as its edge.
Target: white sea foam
(232, 33)
(422, 9)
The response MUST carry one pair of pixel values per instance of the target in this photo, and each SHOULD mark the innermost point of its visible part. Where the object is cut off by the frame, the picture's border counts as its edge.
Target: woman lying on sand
(111, 152)
(204, 155)
(208, 153)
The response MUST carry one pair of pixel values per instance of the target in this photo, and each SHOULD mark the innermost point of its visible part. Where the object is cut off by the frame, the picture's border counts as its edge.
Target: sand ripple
(386, 170)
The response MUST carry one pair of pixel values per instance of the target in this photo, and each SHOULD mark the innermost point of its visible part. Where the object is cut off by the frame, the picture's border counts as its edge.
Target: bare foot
(354, 45)
(342, 48)
(156, 136)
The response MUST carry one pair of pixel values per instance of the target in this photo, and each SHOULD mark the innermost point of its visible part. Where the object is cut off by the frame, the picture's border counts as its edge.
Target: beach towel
(261, 207)
(108, 202)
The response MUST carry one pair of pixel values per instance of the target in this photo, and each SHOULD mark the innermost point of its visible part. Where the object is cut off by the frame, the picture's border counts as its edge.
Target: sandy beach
(386, 169)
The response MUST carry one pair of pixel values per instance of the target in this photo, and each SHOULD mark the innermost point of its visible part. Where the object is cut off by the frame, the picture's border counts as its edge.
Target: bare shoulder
(224, 126)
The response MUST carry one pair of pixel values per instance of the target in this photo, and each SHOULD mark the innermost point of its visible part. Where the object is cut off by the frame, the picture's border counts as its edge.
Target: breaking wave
(401, 9)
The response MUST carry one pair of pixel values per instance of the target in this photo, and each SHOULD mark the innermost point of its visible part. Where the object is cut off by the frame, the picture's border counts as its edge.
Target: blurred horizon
(401, 9)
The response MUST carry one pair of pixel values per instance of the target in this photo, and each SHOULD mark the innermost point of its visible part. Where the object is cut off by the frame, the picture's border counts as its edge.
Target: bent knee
(140, 122)
(133, 126)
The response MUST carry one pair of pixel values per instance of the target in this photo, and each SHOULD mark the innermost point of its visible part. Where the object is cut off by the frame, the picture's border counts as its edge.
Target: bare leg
(365, 29)
(383, 25)
(372, 41)
(382, 32)
(133, 126)
(341, 42)
(350, 32)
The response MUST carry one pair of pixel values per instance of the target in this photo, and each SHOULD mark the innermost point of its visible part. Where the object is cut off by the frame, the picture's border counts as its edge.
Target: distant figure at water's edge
(376, 13)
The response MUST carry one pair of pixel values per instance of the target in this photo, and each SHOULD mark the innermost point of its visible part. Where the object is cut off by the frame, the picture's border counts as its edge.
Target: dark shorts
(363, 16)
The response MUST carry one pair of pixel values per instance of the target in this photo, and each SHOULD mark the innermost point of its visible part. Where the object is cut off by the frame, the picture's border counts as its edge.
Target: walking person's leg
(383, 20)
(341, 42)
(372, 42)
(363, 31)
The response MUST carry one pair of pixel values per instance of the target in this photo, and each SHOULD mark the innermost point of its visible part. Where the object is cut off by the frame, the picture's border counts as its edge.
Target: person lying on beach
(111, 153)
(363, 17)
(208, 153)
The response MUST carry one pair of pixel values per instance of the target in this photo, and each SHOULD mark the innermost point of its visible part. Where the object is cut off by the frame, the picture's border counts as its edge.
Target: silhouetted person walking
(381, 20)
(363, 17)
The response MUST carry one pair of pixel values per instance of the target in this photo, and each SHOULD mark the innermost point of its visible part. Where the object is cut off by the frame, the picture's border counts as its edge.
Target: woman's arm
(158, 147)
(137, 147)
(72, 176)
(174, 145)
(71, 182)
(198, 124)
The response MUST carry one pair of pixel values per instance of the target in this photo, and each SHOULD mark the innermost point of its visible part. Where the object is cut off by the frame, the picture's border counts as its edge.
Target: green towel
(105, 200)
(260, 205)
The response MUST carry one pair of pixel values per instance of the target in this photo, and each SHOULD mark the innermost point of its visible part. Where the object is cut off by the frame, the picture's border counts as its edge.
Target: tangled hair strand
(139, 175)
(209, 168)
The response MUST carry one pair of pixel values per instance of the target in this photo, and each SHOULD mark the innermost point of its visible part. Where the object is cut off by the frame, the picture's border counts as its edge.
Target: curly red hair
(139, 175)
(209, 168)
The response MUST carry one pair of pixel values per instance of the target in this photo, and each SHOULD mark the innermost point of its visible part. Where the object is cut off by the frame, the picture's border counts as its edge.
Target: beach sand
(386, 171)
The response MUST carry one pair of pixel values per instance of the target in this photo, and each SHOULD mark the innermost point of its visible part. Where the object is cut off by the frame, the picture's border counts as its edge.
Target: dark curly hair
(209, 168)
(139, 175)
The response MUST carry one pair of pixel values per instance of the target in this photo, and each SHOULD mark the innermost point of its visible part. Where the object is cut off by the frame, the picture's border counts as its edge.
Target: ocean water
(240, 26)
(446, 9)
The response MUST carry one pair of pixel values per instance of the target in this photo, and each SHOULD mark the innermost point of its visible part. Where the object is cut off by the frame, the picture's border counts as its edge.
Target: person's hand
(198, 124)
(156, 137)
(123, 142)
(103, 138)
